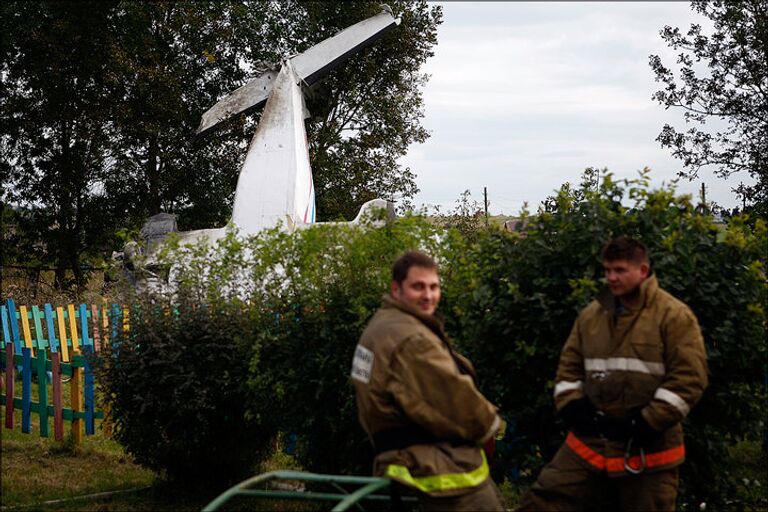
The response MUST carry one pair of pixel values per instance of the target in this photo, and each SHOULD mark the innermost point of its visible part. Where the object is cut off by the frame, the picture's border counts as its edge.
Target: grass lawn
(37, 470)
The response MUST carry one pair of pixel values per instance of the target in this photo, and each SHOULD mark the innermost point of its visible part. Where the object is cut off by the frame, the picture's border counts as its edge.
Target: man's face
(624, 276)
(420, 289)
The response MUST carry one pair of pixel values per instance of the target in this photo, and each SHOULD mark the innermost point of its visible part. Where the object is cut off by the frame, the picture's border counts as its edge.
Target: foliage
(102, 98)
(367, 112)
(467, 217)
(55, 126)
(522, 292)
(510, 300)
(309, 295)
(733, 87)
(176, 388)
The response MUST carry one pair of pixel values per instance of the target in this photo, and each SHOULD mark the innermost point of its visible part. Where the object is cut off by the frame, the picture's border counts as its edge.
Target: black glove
(614, 429)
(639, 429)
(581, 416)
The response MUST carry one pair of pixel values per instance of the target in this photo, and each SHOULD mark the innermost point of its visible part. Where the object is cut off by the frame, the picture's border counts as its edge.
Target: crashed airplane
(275, 186)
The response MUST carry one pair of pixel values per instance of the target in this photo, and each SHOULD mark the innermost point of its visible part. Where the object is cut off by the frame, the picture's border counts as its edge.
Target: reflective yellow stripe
(439, 482)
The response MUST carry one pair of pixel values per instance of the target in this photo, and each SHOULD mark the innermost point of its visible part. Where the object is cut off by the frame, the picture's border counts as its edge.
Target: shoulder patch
(362, 364)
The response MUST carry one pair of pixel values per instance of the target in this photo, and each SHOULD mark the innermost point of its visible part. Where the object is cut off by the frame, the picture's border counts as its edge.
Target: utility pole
(704, 208)
(485, 201)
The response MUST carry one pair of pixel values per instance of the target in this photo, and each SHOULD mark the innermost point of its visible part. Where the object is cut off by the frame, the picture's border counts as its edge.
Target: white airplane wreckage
(275, 186)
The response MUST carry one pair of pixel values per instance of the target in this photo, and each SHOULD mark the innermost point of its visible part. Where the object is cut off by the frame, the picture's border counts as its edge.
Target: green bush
(176, 388)
(311, 320)
(293, 306)
(523, 292)
(308, 297)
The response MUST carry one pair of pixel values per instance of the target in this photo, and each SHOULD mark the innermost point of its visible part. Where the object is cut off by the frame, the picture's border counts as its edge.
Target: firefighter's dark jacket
(651, 357)
(406, 375)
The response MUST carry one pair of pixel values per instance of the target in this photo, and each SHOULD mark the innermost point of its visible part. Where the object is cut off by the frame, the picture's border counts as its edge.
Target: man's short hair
(411, 259)
(625, 248)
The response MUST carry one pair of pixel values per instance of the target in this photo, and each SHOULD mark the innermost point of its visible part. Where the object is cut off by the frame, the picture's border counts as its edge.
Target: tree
(174, 60)
(55, 126)
(367, 112)
(732, 88)
(101, 99)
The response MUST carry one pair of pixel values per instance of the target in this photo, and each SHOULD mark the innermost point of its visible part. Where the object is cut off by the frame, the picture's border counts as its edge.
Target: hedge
(509, 299)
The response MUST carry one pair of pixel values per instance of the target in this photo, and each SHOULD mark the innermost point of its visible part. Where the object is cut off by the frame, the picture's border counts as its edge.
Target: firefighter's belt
(616, 464)
(446, 482)
(402, 437)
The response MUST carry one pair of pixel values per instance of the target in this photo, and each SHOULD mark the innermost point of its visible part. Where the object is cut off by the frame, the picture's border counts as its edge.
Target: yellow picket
(25, 328)
(73, 329)
(62, 334)
(126, 319)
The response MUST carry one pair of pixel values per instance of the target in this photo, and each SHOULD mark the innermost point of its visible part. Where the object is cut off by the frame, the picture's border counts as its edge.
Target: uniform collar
(648, 290)
(434, 322)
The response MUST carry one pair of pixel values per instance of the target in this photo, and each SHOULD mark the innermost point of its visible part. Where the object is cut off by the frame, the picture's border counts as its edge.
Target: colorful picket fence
(52, 343)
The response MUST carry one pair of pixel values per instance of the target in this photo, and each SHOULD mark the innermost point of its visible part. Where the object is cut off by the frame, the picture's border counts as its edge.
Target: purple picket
(26, 390)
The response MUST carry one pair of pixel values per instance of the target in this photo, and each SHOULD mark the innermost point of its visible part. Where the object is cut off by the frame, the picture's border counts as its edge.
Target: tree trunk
(153, 177)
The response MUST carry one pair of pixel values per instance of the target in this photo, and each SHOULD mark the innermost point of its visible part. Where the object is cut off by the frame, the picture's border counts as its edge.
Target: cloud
(524, 96)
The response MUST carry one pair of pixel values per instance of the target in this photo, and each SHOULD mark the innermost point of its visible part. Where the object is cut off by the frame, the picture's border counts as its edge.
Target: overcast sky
(524, 96)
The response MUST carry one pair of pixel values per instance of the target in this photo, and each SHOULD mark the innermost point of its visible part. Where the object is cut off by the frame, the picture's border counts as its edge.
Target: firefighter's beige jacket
(651, 357)
(405, 373)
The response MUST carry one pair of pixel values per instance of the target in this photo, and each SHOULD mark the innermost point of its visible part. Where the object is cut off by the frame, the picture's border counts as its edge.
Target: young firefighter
(632, 368)
(418, 400)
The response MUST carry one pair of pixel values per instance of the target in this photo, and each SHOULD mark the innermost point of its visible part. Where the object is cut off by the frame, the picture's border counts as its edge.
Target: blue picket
(89, 398)
(86, 340)
(39, 341)
(52, 340)
(115, 319)
(6, 325)
(14, 325)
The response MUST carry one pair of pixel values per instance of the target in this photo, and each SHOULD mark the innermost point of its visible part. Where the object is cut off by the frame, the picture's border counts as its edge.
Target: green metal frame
(368, 486)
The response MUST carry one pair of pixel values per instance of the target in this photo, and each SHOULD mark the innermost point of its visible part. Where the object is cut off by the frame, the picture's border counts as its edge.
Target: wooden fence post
(89, 395)
(14, 326)
(96, 330)
(26, 389)
(37, 317)
(52, 342)
(42, 392)
(10, 370)
(76, 391)
(25, 326)
(62, 334)
(73, 328)
(58, 413)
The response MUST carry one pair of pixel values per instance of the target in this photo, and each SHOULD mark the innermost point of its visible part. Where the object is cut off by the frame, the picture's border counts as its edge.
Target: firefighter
(418, 399)
(632, 368)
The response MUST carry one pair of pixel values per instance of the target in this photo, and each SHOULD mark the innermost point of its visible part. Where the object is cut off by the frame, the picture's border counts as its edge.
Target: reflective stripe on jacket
(443, 482)
(651, 357)
(406, 374)
(665, 458)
